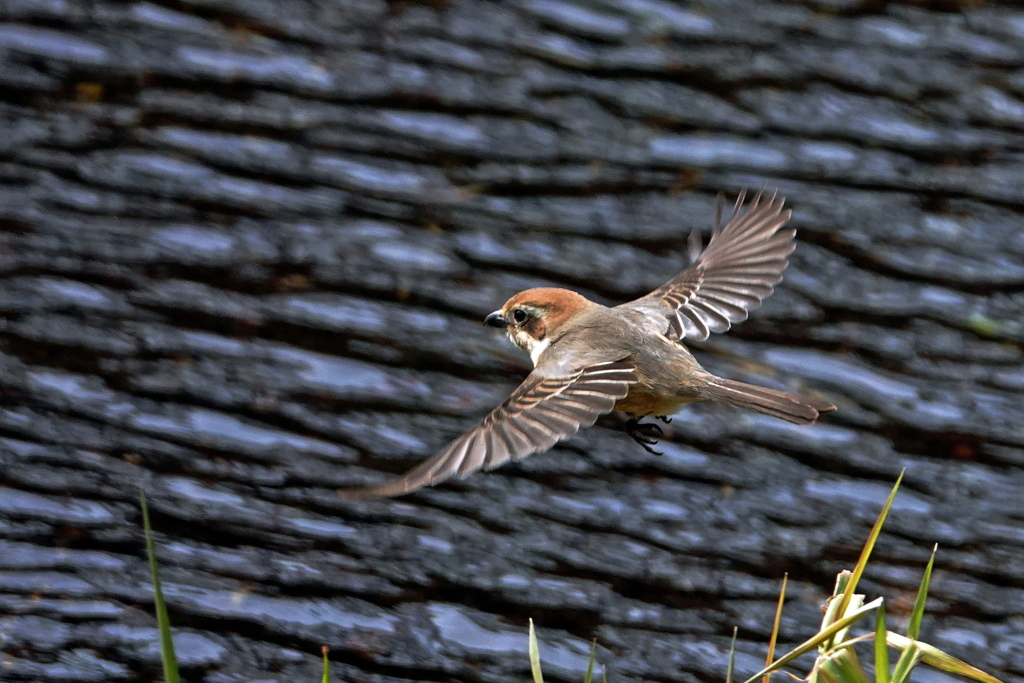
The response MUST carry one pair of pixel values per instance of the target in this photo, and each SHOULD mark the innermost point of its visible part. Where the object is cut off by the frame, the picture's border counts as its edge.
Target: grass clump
(837, 660)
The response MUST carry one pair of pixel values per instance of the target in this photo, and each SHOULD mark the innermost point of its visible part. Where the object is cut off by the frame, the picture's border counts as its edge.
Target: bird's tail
(798, 409)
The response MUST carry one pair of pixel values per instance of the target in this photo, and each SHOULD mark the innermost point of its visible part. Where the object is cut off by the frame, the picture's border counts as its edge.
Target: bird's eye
(519, 316)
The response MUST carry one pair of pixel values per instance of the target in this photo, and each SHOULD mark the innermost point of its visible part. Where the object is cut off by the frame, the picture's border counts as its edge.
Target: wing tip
(374, 492)
(407, 483)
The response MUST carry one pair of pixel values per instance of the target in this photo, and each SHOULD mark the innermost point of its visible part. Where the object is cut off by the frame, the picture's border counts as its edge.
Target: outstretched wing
(542, 411)
(739, 268)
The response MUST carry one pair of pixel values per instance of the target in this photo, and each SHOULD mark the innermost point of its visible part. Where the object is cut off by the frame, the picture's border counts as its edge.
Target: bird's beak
(496, 319)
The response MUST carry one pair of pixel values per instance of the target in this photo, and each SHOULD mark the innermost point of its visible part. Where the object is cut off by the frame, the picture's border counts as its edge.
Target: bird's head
(535, 317)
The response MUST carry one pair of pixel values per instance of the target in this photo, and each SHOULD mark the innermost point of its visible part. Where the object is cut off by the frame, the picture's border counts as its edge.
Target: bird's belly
(642, 401)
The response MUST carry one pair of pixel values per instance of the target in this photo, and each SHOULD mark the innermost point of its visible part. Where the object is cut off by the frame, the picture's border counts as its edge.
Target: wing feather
(739, 268)
(542, 411)
(520, 444)
(473, 459)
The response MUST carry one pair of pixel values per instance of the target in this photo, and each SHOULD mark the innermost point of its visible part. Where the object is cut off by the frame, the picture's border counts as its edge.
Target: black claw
(644, 433)
(651, 450)
(664, 418)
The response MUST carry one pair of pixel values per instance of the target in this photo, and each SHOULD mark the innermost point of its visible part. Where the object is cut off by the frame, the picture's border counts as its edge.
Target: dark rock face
(246, 248)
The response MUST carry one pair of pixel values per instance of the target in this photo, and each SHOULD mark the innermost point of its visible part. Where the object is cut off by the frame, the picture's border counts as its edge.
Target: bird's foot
(644, 433)
(664, 418)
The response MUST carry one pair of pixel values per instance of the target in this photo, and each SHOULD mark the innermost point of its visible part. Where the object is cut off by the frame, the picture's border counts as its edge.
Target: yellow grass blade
(535, 656)
(775, 627)
(865, 553)
(732, 656)
(933, 656)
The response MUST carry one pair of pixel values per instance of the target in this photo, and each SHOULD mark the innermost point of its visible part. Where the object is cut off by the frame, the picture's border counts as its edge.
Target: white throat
(537, 348)
(528, 344)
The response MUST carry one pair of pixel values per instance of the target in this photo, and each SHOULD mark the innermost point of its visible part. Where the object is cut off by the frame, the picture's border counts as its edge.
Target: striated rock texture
(246, 247)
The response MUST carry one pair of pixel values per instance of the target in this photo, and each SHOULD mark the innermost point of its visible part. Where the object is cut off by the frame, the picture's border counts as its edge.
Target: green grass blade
(832, 604)
(865, 553)
(844, 666)
(816, 640)
(163, 623)
(881, 649)
(775, 627)
(590, 662)
(914, 629)
(906, 663)
(832, 612)
(823, 675)
(933, 656)
(732, 656)
(326, 677)
(856, 602)
(535, 656)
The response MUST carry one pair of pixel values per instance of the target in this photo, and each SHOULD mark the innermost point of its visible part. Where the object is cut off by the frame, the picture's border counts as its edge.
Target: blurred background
(246, 247)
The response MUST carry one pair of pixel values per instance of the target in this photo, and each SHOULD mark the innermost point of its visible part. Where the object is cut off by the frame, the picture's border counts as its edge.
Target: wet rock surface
(245, 249)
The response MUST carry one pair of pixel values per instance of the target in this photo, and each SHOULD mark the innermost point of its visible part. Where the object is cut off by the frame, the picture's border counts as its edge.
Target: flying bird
(590, 359)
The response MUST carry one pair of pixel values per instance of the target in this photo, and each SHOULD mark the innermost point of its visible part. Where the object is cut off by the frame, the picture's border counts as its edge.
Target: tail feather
(798, 409)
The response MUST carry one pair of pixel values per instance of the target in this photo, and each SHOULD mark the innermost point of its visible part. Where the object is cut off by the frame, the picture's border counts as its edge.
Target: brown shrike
(590, 359)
